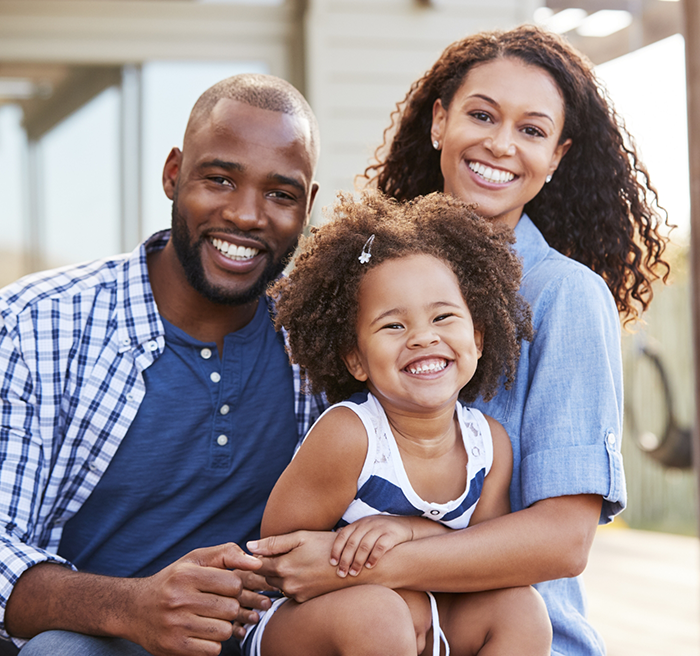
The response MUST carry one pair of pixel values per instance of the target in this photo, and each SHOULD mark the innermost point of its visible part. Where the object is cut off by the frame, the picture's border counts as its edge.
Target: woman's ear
(437, 128)
(354, 364)
(559, 153)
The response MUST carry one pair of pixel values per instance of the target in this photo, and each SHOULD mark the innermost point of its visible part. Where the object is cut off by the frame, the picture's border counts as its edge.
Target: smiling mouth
(233, 252)
(496, 176)
(427, 366)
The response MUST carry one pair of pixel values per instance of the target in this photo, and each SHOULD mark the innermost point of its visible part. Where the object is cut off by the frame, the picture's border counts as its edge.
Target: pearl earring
(548, 178)
(436, 144)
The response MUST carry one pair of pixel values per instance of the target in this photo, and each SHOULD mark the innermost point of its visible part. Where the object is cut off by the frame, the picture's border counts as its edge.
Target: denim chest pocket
(500, 407)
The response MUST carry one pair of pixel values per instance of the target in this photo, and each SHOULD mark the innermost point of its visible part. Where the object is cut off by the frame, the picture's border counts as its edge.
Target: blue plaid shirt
(74, 343)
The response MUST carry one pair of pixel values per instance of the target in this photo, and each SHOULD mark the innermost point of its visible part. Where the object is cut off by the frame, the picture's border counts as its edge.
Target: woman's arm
(549, 540)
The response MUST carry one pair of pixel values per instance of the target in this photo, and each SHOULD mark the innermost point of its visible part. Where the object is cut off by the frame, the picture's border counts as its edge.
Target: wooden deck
(644, 592)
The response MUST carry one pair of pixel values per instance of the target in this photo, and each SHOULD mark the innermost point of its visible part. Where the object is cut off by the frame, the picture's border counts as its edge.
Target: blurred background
(94, 94)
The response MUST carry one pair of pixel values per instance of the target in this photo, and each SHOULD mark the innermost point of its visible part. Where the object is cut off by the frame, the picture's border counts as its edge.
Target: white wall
(362, 57)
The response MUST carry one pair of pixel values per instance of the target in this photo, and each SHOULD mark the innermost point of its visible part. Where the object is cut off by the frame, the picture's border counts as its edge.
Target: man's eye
(282, 195)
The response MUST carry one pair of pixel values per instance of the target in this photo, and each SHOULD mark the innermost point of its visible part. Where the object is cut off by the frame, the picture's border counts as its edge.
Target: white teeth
(425, 367)
(234, 252)
(491, 175)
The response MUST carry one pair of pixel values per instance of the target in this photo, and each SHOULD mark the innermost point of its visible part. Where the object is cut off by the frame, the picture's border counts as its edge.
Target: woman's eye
(534, 132)
(481, 116)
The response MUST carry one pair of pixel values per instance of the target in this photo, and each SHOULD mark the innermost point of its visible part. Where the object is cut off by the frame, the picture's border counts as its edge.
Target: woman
(516, 123)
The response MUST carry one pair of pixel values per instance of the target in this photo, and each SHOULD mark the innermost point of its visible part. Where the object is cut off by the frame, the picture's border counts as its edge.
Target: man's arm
(549, 540)
(186, 608)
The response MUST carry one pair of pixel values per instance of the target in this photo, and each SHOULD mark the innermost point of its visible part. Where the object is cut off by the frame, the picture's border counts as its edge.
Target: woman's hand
(299, 564)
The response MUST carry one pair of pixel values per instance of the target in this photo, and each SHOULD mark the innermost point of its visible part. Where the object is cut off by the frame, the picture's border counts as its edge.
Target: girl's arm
(318, 485)
(364, 542)
(495, 499)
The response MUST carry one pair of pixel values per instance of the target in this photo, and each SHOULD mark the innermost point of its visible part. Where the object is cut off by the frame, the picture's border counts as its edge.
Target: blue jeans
(66, 643)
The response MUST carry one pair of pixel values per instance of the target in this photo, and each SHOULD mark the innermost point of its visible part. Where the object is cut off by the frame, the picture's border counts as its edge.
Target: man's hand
(299, 564)
(190, 606)
(251, 601)
(186, 609)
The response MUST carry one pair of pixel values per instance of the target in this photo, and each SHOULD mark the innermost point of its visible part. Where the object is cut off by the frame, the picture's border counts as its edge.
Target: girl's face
(499, 138)
(416, 343)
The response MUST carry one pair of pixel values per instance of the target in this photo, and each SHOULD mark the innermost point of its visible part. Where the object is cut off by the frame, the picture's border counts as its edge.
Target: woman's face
(499, 138)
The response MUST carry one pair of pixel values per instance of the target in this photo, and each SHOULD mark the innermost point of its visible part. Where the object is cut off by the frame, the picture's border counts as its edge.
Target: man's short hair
(262, 91)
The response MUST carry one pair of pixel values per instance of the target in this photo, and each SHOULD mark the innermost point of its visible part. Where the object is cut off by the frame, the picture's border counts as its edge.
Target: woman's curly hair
(599, 209)
(317, 303)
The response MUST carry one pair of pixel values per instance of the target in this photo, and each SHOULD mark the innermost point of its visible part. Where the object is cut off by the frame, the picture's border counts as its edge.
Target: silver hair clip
(365, 255)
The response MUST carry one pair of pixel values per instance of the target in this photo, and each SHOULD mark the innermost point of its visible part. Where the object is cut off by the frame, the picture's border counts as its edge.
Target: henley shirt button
(611, 439)
(222, 440)
(153, 346)
(224, 409)
(205, 353)
(434, 512)
(215, 376)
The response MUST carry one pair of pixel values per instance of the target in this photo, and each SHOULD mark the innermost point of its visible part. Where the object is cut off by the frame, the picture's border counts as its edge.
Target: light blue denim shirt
(564, 411)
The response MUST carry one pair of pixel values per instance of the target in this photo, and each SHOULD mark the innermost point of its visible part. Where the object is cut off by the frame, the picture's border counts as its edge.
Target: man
(148, 406)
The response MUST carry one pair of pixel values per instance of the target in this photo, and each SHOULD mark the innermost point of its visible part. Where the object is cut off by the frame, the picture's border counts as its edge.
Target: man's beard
(189, 255)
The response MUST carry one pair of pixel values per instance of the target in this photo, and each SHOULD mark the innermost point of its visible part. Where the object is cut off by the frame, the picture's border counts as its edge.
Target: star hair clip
(365, 255)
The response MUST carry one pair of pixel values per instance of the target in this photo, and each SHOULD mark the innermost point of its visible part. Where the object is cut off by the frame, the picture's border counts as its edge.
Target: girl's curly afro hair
(317, 303)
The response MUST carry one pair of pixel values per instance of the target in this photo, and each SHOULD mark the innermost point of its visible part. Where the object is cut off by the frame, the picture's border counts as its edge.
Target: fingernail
(252, 545)
(353, 572)
(334, 562)
(342, 573)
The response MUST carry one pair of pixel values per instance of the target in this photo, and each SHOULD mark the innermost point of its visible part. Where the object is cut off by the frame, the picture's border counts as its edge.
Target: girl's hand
(364, 542)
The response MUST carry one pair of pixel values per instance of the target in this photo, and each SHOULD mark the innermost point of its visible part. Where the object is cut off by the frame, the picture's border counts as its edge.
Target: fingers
(255, 582)
(224, 556)
(358, 549)
(341, 539)
(275, 545)
(253, 600)
(362, 544)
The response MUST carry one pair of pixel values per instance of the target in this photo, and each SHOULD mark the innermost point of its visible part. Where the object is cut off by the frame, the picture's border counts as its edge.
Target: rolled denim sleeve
(572, 416)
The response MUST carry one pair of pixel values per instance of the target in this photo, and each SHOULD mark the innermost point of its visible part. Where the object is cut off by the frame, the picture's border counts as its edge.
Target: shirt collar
(529, 244)
(138, 318)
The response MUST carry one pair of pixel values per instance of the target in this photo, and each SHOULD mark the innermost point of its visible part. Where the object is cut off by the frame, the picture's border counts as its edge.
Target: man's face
(242, 190)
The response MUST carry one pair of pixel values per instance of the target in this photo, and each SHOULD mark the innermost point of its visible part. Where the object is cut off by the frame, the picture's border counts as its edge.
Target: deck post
(691, 11)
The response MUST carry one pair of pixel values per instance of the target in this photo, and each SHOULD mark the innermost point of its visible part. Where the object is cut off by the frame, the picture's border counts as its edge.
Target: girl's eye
(393, 326)
(442, 317)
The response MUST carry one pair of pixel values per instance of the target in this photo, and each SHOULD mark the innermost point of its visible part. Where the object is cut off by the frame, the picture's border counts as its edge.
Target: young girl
(392, 307)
